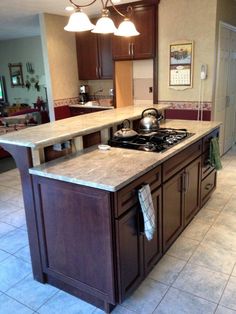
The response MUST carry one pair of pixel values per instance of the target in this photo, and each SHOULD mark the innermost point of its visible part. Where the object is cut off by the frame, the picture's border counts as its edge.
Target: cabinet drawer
(208, 186)
(127, 197)
(206, 167)
(182, 159)
(206, 140)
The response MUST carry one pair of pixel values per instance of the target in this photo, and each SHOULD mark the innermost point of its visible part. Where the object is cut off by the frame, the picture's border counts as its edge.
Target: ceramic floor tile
(183, 248)
(17, 200)
(16, 219)
(196, 230)
(24, 254)
(230, 207)
(219, 200)
(31, 293)
(179, 302)
(7, 208)
(146, 298)
(11, 182)
(12, 270)
(224, 310)
(207, 215)
(227, 220)
(221, 236)
(5, 228)
(201, 282)
(167, 269)
(234, 271)
(65, 303)
(8, 194)
(214, 258)
(14, 241)
(10, 306)
(3, 255)
(229, 297)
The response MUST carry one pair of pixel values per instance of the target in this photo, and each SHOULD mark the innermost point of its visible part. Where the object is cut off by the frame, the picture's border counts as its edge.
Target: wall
(143, 81)
(187, 20)
(21, 51)
(60, 61)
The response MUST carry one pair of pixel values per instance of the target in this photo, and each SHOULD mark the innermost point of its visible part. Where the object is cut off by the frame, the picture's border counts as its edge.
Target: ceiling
(19, 18)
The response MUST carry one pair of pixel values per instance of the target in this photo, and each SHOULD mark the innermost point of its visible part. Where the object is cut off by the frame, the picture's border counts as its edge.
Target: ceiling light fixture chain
(79, 21)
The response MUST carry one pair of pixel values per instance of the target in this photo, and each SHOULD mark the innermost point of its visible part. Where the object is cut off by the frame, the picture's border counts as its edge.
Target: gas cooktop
(158, 141)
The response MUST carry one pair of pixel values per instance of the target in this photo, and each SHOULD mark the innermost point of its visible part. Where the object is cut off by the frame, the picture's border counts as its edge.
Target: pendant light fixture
(79, 21)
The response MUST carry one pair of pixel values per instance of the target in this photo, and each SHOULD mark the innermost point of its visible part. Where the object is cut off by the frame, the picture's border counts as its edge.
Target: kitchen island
(83, 217)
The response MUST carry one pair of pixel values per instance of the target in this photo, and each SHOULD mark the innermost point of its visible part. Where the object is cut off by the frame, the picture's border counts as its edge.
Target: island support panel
(23, 158)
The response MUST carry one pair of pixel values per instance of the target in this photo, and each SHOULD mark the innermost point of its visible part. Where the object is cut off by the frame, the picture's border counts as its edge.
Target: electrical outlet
(150, 89)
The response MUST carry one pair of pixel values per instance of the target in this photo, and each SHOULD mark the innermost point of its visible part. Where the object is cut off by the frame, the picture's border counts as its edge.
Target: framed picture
(181, 65)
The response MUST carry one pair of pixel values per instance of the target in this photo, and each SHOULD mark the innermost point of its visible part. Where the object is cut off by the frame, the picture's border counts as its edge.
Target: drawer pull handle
(208, 186)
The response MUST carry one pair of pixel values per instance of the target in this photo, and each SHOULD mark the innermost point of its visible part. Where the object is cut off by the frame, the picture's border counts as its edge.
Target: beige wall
(187, 20)
(62, 59)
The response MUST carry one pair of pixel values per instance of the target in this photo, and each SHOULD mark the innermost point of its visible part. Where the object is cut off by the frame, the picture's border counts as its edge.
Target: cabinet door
(144, 44)
(191, 190)
(129, 252)
(172, 210)
(153, 248)
(121, 46)
(75, 230)
(105, 56)
(87, 56)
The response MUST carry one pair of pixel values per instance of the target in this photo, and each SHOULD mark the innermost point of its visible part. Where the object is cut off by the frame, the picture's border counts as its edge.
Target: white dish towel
(145, 199)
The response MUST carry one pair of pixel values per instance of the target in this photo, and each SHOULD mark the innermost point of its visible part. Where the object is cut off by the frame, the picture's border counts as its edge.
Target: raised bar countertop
(55, 132)
(90, 105)
(113, 169)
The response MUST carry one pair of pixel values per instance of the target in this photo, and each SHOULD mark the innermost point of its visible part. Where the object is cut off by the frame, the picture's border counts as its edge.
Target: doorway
(225, 94)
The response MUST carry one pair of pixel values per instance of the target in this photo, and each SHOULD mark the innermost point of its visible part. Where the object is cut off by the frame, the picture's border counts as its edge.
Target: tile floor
(197, 275)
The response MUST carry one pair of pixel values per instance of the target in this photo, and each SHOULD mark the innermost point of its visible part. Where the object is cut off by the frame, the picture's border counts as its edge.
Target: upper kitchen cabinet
(142, 46)
(94, 55)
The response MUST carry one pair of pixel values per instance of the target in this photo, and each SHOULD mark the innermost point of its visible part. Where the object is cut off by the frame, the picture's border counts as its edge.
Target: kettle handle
(150, 109)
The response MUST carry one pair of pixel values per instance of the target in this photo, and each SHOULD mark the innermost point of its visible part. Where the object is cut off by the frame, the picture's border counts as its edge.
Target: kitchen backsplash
(187, 105)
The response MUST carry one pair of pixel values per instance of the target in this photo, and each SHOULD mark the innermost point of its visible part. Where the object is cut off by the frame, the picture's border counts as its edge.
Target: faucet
(95, 93)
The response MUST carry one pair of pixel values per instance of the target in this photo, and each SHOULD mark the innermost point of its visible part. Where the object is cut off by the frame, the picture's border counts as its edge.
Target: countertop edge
(113, 188)
(19, 138)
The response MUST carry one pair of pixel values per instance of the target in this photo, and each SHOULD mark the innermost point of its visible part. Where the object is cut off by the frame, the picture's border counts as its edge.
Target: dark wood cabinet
(92, 242)
(153, 248)
(181, 174)
(77, 111)
(208, 172)
(129, 252)
(94, 56)
(172, 210)
(75, 231)
(136, 255)
(141, 46)
(181, 201)
(191, 190)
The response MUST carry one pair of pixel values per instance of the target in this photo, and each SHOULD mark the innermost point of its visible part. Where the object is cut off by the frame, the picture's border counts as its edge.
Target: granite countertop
(113, 169)
(91, 105)
(58, 131)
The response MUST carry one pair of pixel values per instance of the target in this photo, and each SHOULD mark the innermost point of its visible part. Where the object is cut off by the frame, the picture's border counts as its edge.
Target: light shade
(79, 22)
(126, 29)
(104, 25)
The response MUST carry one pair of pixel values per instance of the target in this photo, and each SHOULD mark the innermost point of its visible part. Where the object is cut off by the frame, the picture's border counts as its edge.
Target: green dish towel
(214, 154)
